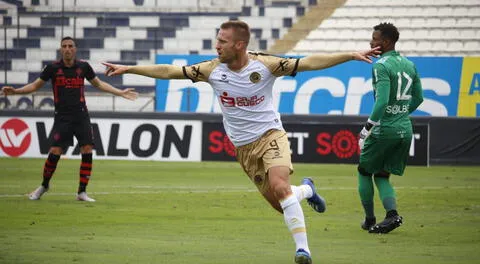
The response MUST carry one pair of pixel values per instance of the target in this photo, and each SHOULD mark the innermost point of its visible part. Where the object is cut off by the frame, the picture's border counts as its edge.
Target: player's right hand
(8, 90)
(363, 136)
(115, 69)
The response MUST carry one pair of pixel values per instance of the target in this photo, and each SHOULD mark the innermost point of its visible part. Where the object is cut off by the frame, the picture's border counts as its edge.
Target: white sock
(302, 191)
(293, 214)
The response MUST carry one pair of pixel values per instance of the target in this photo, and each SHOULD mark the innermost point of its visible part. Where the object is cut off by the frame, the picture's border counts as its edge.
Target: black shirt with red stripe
(68, 84)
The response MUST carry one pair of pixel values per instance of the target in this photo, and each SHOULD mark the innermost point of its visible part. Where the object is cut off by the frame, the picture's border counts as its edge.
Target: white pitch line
(134, 192)
(186, 189)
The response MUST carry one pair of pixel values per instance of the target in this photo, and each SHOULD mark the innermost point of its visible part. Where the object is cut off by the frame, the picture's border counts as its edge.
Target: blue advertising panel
(345, 89)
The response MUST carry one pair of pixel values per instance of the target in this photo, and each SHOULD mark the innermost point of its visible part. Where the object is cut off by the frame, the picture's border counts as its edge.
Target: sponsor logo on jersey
(397, 109)
(228, 101)
(69, 83)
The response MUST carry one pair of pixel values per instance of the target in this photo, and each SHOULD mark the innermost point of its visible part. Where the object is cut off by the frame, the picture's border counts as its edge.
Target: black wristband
(368, 126)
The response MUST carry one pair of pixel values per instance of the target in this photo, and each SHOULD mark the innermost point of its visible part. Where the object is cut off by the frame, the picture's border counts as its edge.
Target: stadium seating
(131, 32)
(427, 28)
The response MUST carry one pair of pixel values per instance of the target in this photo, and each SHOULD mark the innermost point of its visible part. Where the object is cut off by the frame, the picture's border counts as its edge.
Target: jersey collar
(75, 62)
(390, 53)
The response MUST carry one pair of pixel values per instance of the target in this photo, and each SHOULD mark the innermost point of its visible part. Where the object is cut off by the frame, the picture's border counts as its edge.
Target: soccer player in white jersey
(242, 82)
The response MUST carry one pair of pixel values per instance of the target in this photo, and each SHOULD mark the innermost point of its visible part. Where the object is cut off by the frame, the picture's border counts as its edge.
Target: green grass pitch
(179, 212)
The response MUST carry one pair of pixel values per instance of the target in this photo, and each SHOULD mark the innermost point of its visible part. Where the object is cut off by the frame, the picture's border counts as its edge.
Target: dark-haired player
(385, 138)
(71, 115)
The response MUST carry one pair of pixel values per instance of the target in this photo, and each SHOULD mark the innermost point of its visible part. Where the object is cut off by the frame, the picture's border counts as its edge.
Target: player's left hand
(366, 55)
(129, 94)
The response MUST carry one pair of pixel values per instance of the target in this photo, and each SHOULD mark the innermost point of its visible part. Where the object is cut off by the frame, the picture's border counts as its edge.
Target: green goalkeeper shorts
(381, 154)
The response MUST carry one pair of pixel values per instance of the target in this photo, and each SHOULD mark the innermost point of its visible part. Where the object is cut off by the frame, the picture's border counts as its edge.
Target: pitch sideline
(222, 189)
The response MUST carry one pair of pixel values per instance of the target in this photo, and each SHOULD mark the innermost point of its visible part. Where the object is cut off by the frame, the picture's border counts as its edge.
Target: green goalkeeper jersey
(398, 92)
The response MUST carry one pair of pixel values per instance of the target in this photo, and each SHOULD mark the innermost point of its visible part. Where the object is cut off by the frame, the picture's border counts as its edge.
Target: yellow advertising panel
(469, 92)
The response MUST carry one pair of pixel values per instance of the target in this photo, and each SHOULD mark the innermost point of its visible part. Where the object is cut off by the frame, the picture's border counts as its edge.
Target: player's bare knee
(272, 200)
(86, 149)
(56, 150)
(363, 172)
(281, 191)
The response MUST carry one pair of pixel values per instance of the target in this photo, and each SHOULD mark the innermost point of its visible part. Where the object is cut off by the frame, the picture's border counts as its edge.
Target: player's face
(225, 46)
(377, 40)
(68, 49)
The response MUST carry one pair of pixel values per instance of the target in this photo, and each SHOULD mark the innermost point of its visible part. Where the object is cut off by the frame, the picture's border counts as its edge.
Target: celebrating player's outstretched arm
(323, 61)
(158, 71)
(308, 63)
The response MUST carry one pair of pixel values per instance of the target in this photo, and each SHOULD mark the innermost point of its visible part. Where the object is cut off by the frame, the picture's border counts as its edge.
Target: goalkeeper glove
(366, 132)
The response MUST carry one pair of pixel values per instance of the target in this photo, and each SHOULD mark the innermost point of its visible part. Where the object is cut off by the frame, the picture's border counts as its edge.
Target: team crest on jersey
(255, 77)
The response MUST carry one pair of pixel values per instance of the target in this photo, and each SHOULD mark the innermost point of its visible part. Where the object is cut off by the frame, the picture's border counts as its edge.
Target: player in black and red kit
(71, 114)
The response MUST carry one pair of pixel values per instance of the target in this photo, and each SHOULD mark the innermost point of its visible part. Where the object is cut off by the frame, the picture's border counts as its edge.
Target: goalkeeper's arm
(417, 95)
(381, 101)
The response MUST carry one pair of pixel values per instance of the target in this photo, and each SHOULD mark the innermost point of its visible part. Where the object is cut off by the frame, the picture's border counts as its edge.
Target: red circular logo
(15, 137)
(344, 144)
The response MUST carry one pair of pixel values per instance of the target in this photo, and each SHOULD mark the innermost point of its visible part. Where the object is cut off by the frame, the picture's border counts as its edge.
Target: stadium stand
(130, 32)
(427, 28)
(133, 31)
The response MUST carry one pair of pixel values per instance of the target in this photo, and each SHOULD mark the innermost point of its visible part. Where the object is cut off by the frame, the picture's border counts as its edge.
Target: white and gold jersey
(245, 96)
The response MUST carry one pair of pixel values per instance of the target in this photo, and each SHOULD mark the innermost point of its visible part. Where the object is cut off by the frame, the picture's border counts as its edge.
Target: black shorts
(66, 126)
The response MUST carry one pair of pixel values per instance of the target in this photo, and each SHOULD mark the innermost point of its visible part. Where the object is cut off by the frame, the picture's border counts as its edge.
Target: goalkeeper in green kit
(385, 139)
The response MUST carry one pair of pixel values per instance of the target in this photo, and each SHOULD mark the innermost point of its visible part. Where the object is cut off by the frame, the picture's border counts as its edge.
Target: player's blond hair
(241, 30)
